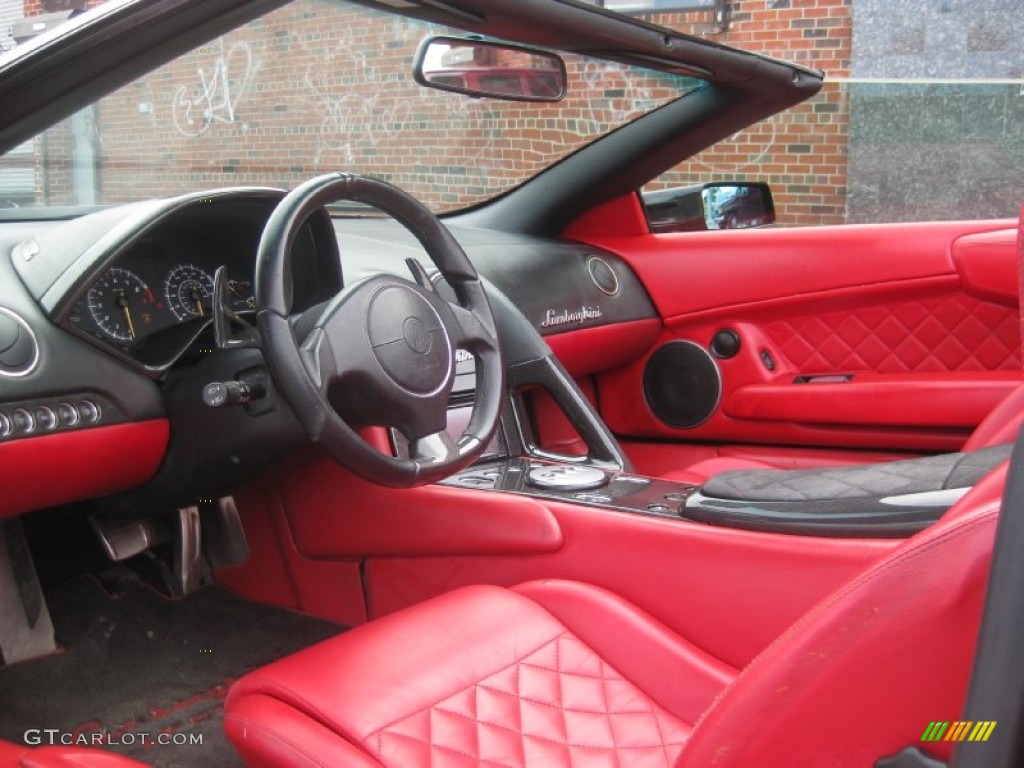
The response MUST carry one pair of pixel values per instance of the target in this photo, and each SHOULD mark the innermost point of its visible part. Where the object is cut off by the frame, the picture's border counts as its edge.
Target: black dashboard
(145, 295)
(118, 305)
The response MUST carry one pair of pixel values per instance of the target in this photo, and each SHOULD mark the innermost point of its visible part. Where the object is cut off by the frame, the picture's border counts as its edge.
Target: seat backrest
(864, 673)
(1003, 424)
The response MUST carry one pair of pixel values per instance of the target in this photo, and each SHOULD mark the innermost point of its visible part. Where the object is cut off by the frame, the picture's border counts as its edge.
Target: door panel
(899, 336)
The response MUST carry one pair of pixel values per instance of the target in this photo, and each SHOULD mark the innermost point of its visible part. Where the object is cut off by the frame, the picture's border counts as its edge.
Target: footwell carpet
(140, 663)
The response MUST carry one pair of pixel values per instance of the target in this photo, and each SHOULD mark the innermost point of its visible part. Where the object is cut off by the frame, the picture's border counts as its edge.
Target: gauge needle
(122, 301)
(198, 299)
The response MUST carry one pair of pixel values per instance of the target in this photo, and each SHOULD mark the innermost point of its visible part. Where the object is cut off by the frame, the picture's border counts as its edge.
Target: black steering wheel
(382, 352)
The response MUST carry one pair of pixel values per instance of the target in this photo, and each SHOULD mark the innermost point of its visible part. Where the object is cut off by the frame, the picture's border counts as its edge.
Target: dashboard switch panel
(33, 418)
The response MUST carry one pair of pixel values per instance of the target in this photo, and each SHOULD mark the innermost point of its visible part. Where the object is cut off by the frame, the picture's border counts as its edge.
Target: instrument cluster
(154, 287)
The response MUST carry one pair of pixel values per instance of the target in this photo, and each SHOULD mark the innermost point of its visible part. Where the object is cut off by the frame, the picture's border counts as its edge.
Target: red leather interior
(662, 459)
(623, 216)
(590, 350)
(490, 676)
(728, 591)
(761, 267)
(37, 472)
(987, 265)
(429, 520)
(862, 675)
(20, 756)
(937, 400)
(915, 423)
(278, 574)
(911, 301)
(1002, 425)
(944, 333)
(533, 676)
(752, 585)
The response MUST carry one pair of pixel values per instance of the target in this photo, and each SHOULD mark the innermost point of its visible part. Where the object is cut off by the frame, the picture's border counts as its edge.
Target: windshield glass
(318, 86)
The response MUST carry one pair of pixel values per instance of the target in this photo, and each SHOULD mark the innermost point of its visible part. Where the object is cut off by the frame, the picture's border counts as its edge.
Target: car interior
(578, 474)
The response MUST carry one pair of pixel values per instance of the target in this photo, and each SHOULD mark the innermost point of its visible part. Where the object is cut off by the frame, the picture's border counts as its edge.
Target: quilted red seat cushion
(549, 682)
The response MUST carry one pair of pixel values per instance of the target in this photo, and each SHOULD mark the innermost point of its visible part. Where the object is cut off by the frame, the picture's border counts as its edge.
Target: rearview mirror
(492, 70)
(716, 205)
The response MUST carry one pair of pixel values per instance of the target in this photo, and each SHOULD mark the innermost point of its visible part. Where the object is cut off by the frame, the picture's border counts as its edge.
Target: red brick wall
(294, 88)
(802, 152)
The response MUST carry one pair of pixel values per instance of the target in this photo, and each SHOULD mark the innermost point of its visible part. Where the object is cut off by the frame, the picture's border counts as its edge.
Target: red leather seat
(557, 673)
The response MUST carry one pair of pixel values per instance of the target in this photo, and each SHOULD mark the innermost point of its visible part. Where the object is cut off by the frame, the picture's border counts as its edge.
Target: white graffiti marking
(215, 98)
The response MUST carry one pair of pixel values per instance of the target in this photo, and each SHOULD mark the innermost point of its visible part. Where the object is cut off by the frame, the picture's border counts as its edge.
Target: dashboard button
(6, 428)
(89, 411)
(67, 414)
(45, 417)
(658, 508)
(594, 498)
(23, 421)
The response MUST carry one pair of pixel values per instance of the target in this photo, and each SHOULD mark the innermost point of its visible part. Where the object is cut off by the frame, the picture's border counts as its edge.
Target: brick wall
(293, 84)
(802, 152)
(289, 97)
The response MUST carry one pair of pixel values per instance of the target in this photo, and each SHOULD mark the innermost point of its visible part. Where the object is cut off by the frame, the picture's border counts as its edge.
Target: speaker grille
(682, 384)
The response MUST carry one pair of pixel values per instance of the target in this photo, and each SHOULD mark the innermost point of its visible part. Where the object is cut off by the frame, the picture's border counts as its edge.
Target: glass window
(321, 86)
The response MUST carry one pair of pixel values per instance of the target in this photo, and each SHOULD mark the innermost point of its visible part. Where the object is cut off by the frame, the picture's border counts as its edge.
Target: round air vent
(682, 384)
(19, 350)
(603, 275)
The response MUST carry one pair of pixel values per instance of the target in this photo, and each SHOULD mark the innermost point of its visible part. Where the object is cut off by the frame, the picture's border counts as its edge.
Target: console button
(67, 414)
(594, 498)
(89, 411)
(45, 417)
(23, 421)
(6, 428)
(658, 508)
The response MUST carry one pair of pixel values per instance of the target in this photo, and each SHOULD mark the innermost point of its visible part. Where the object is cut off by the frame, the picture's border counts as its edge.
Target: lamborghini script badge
(570, 316)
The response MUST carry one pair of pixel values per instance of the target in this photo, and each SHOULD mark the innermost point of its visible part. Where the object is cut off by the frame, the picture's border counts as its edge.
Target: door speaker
(682, 384)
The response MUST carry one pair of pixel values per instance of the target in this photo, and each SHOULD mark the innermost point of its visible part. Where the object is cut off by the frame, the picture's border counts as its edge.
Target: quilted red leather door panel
(917, 317)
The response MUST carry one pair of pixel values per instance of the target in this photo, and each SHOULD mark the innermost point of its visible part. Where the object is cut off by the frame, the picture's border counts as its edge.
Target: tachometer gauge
(189, 292)
(117, 301)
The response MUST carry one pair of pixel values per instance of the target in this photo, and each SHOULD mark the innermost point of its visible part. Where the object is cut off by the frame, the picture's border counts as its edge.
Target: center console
(579, 484)
(890, 500)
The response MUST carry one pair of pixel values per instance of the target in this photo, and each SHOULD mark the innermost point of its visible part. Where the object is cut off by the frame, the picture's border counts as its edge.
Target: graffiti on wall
(216, 96)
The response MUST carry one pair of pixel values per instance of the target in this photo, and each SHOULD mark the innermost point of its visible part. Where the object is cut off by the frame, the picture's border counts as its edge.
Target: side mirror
(492, 70)
(716, 205)
(737, 205)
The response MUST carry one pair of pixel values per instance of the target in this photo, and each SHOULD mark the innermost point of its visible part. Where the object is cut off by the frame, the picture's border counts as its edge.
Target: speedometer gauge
(116, 302)
(189, 291)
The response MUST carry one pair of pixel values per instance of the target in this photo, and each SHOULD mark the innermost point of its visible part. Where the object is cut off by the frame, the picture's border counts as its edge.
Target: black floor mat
(141, 663)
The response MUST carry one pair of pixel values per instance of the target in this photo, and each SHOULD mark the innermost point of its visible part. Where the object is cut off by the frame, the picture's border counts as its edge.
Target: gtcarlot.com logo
(54, 737)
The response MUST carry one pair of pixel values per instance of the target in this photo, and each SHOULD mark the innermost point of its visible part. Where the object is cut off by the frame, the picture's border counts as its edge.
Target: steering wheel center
(409, 340)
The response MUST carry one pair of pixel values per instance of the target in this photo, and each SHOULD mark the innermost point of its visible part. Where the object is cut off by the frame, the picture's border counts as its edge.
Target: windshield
(318, 86)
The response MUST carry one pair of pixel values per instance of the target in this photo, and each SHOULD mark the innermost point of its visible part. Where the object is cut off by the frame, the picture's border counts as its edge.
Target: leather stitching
(953, 333)
(564, 651)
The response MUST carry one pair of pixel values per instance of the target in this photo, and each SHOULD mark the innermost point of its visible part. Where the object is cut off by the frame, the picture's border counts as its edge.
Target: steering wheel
(382, 352)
